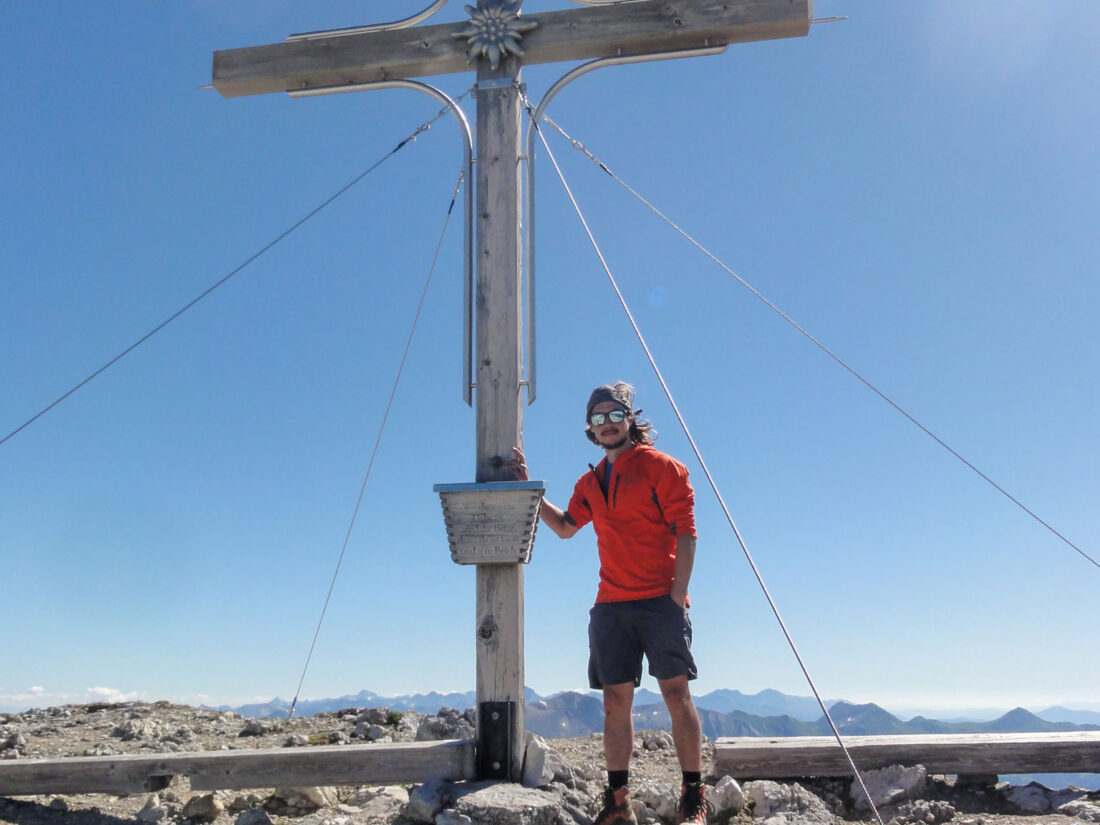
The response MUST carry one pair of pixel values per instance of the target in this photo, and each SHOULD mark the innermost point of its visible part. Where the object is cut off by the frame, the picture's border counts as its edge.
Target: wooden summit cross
(499, 40)
(337, 60)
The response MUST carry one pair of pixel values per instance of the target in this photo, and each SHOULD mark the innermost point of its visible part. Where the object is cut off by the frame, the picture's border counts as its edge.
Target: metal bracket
(494, 83)
(494, 739)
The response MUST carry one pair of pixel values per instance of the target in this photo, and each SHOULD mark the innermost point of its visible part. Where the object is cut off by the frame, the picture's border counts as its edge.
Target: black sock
(617, 779)
(693, 777)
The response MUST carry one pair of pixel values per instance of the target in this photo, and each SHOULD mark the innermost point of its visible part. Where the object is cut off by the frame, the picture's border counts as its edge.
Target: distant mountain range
(723, 713)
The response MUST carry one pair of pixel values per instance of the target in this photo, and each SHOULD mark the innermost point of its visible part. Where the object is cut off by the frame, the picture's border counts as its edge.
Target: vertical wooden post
(500, 676)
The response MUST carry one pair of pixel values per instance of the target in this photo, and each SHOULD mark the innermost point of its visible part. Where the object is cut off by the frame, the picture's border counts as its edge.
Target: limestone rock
(384, 805)
(447, 724)
(1030, 798)
(1061, 797)
(152, 812)
(778, 804)
(259, 727)
(659, 798)
(244, 802)
(428, 799)
(541, 759)
(541, 763)
(102, 749)
(1081, 809)
(890, 786)
(507, 804)
(377, 716)
(206, 808)
(14, 741)
(134, 729)
(643, 813)
(726, 797)
(304, 799)
(370, 731)
(431, 729)
(408, 724)
(924, 812)
(254, 816)
(179, 736)
(657, 740)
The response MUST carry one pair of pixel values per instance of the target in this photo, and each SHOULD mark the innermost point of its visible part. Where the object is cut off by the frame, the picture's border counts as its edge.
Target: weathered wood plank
(500, 661)
(985, 753)
(574, 34)
(498, 292)
(93, 774)
(212, 770)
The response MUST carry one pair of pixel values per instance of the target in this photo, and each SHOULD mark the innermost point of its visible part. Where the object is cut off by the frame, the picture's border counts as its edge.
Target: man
(641, 506)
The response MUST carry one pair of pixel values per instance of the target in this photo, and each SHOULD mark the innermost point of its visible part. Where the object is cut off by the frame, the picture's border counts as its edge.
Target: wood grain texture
(573, 34)
(497, 295)
(213, 770)
(500, 663)
(984, 753)
(499, 409)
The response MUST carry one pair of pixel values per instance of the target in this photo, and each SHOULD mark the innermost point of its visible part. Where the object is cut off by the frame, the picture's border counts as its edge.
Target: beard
(620, 443)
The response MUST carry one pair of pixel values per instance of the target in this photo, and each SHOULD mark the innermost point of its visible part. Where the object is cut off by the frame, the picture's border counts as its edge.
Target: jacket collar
(629, 455)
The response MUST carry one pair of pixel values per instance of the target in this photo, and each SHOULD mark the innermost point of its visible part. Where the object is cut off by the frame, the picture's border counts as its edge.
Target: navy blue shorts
(619, 633)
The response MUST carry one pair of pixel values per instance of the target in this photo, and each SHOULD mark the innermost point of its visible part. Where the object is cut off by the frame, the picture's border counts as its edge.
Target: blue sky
(916, 186)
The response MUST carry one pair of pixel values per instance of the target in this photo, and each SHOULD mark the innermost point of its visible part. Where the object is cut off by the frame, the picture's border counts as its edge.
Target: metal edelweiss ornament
(495, 31)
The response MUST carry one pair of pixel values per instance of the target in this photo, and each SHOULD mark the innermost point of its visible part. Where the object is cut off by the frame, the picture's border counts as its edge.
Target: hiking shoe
(692, 808)
(616, 808)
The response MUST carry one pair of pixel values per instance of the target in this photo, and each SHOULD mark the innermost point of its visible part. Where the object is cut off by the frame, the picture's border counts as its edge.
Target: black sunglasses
(615, 416)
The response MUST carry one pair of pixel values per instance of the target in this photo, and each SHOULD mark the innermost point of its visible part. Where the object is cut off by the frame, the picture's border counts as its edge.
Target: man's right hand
(554, 518)
(518, 465)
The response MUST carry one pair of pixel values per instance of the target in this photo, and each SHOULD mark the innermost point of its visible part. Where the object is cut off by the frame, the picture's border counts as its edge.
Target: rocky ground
(569, 784)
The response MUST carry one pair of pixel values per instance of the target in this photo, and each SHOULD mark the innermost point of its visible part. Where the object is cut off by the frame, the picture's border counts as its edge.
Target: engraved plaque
(493, 522)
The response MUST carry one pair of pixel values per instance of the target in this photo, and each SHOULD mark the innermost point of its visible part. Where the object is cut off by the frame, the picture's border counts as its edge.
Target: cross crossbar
(578, 34)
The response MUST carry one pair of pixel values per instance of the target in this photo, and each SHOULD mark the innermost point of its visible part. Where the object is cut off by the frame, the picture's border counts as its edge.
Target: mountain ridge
(722, 712)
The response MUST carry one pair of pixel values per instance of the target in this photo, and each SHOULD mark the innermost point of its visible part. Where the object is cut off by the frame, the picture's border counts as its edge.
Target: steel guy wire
(851, 370)
(423, 127)
(710, 478)
(377, 441)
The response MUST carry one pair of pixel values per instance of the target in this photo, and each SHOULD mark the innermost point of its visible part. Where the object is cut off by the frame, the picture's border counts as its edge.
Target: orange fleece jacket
(649, 502)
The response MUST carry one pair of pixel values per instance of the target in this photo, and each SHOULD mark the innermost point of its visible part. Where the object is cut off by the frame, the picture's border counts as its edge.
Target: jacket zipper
(599, 484)
(613, 500)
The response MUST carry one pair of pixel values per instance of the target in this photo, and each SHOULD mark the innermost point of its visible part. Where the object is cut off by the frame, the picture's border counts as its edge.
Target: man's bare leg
(687, 731)
(618, 725)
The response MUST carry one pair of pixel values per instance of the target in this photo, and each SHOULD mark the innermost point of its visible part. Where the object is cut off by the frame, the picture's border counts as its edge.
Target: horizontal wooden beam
(979, 753)
(214, 770)
(577, 34)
